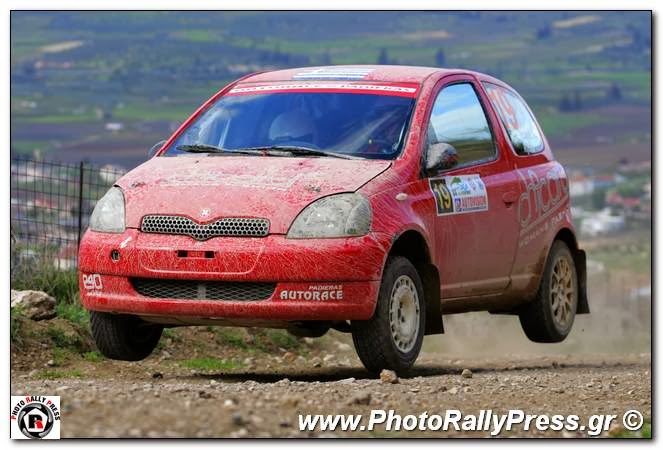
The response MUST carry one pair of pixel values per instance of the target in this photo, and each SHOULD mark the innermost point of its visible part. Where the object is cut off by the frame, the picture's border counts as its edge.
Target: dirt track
(159, 398)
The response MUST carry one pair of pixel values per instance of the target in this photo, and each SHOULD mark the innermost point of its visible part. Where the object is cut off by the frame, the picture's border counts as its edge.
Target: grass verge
(59, 284)
(642, 433)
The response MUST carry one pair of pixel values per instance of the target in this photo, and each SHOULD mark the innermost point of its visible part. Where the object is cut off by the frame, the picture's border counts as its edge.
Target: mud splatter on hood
(208, 188)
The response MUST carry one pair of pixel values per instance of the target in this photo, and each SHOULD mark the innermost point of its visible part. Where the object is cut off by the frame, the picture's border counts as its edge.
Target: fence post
(80, 200)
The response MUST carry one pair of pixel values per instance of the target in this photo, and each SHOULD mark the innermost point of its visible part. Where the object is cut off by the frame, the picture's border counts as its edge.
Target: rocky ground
(204, 382)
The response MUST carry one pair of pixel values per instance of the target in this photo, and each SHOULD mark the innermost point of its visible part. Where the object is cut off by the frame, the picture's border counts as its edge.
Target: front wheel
(124, 337)
(392, 338)
(549, 317)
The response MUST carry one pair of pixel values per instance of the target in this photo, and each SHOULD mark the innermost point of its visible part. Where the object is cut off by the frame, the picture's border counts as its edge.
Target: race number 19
(443, 199)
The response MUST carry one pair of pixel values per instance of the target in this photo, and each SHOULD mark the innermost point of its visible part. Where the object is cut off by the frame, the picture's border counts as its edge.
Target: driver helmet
(292, 126)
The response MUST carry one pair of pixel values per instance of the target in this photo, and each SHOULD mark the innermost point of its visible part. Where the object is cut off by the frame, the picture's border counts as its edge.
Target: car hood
(206, 188)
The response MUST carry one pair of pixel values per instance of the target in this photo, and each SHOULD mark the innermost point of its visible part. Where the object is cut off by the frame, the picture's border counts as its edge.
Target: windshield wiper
(297, 150)
(200, 148)
(207, 148)
(270, 150)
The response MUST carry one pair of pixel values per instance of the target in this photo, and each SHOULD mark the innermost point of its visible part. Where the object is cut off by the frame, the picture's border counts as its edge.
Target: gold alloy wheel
(404, 313)
(561, 292)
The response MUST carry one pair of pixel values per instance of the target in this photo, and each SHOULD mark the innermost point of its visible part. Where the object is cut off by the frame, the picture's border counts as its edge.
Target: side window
(517, 120)
(459, 119)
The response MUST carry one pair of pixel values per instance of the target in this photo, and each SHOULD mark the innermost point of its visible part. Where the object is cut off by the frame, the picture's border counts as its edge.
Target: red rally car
(368, 199)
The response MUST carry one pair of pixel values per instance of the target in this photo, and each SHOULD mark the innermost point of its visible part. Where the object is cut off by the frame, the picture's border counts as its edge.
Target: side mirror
(155, 148)
(440, 156)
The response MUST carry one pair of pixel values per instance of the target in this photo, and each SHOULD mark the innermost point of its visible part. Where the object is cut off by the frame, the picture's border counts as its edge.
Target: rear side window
(517, 120)
(459, 119)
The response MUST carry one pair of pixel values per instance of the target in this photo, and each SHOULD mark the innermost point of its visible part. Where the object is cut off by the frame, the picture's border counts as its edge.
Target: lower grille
(203, 290)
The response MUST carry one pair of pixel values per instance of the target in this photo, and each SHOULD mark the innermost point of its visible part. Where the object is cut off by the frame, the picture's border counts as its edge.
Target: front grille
(203, 290)
(229, 226)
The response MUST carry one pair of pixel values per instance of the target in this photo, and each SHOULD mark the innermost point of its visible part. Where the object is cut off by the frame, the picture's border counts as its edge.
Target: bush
(231, 337)
(16, 322)
(72, 340)
(42, 276)
(74, 313)
(93, 356)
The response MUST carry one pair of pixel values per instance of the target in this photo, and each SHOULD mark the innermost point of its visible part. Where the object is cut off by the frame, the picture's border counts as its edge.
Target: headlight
(108, 214)
(338, 215)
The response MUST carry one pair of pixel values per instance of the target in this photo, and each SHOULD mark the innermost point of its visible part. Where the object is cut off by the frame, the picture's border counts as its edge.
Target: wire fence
(51, 203)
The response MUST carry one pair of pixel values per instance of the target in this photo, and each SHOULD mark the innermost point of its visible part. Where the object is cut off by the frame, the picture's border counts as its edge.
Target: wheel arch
(412, 245)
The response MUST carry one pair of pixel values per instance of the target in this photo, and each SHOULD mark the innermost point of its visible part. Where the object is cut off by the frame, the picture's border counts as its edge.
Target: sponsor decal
(541, 197)
(540, 204)
(459, 194)
(504, 106)
(530, 236)
(92, 282)
(318, 292)
(334, 73)
(35, 417)
(293, 87)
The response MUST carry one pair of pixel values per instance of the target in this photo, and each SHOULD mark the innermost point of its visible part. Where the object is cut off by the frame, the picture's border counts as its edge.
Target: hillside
(104, 86)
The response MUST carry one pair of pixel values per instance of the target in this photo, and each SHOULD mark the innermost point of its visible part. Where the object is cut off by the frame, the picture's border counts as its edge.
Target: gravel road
(158, 398)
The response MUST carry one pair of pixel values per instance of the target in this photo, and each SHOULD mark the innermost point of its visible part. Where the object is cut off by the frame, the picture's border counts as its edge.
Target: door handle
(510, 198)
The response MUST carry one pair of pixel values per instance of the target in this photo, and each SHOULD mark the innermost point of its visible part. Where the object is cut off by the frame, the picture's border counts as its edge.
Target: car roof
(402, 74)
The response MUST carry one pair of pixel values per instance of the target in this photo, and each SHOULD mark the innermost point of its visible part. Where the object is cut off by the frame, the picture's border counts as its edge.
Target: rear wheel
(392, 338)
(549, 317)
(124, 337)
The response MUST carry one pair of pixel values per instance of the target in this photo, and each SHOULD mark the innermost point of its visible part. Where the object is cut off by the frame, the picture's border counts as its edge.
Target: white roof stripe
(334, 72)
(358, 87)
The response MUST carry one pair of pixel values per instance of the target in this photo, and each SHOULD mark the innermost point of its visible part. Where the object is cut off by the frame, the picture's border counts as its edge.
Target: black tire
(373, 338)
(540, 319)
(124, 337)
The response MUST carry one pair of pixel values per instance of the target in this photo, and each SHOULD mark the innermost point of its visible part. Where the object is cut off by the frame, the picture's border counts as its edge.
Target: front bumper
(316, 279)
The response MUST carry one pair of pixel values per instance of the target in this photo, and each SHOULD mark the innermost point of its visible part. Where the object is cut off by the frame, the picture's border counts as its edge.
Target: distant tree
(544, 33)
(598, 199)
(28, 69)
(440, 59)
(614, 93)
(325, 59)
(577, 100)
(631, 188)
(383, 58)
(565, 103)
(638, 41)
(570, 102)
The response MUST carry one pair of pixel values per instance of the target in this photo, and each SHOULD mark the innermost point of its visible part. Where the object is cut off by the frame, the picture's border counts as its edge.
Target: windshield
(346, 123)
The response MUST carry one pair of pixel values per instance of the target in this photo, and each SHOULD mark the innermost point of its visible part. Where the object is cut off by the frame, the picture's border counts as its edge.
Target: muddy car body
(370, 199)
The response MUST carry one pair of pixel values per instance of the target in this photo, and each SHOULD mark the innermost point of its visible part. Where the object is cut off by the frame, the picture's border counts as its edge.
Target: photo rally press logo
(35, 417)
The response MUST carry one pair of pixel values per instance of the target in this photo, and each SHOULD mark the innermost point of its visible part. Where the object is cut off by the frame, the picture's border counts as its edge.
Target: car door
(476, 225)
